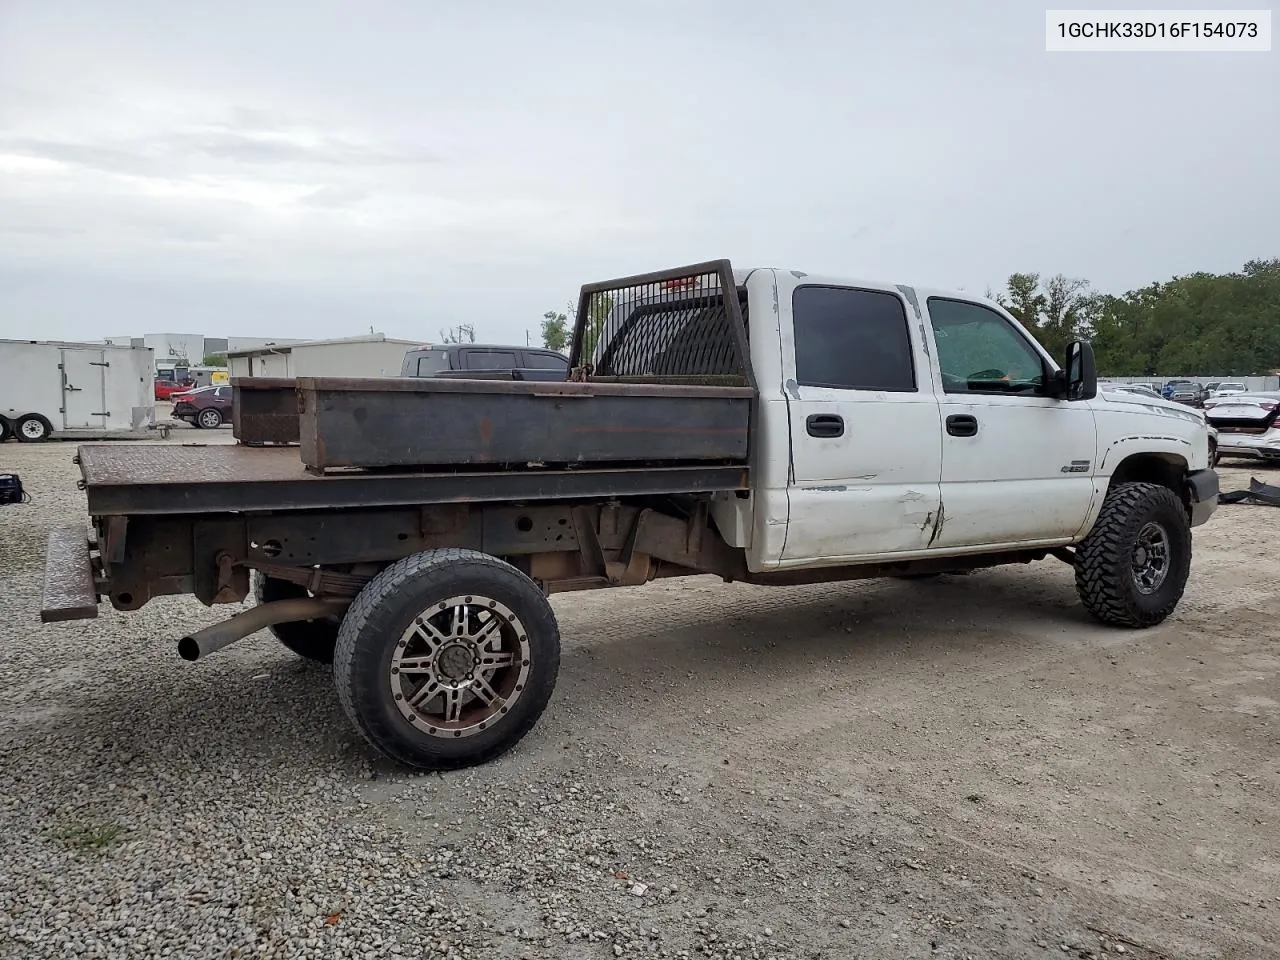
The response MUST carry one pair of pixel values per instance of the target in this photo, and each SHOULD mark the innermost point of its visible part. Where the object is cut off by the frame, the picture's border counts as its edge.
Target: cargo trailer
(53, 389)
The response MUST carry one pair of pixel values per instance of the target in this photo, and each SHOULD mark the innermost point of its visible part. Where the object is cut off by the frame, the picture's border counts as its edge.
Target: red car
(165, 389)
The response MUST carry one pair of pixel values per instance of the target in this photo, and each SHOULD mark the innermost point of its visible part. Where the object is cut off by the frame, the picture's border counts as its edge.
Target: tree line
(1226, 324)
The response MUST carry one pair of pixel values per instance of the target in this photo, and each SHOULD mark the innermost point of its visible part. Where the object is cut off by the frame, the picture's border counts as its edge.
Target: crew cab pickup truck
(767, 426)
(484, 361)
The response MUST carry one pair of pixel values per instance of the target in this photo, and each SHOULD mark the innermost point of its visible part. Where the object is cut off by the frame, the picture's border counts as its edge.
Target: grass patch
(86, 836)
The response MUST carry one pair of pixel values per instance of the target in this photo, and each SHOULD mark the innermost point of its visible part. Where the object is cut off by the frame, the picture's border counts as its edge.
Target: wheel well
(1165, 469)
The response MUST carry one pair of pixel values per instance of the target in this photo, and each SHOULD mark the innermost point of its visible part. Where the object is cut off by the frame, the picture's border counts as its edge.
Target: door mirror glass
(1082, 371)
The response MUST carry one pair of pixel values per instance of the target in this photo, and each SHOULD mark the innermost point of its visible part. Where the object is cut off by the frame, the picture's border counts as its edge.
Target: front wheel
(447, 659)
(1132, 568)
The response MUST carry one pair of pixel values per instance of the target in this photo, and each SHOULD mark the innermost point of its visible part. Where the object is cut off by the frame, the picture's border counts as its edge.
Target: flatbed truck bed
(197, 479)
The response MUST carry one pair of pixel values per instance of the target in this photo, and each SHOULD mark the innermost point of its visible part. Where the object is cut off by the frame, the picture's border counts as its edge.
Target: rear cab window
(852, 339)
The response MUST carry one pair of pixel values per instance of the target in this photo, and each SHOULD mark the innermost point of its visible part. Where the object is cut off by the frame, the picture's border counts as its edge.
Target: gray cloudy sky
(296, 168)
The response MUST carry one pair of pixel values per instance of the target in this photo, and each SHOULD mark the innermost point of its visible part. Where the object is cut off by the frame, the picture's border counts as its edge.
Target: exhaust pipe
(214, 638)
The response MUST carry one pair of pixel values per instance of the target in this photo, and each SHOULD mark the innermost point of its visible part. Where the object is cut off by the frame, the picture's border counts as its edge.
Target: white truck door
(1017, 466)
(82, 389)
(866, 453)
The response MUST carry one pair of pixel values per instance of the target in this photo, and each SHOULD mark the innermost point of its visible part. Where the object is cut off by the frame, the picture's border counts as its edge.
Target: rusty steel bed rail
(393, 422)
(230, 479)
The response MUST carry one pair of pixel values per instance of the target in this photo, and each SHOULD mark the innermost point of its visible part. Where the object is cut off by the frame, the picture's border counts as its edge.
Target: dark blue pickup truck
(482, 361)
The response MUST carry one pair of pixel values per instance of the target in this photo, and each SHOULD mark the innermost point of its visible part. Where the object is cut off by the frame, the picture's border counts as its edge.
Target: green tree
(215, 360)
(598, 309)
(1023, 299)
(1056, 310)
(1194, 325)
(555, 331)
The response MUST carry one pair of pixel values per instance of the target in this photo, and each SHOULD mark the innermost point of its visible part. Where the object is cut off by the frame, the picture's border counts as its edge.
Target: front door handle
(825, 425)
(962, 425)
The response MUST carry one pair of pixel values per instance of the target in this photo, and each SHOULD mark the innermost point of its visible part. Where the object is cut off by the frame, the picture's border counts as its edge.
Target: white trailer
(75, 390)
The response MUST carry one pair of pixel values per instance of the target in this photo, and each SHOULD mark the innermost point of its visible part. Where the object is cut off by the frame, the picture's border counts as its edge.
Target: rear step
(68, 577)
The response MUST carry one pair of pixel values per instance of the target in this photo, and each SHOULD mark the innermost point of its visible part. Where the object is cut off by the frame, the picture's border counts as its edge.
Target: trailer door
(84, 389)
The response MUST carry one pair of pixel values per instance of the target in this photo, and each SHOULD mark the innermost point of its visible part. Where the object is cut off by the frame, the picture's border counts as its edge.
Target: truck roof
(483, 346)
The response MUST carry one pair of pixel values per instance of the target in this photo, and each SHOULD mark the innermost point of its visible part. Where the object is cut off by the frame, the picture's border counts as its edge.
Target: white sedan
(1246, 423)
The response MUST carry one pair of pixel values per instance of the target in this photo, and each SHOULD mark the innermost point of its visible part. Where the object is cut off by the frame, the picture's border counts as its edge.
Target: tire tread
(366, 609)
(1104, 554)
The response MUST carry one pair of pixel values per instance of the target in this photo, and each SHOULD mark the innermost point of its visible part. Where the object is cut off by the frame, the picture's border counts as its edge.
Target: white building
(245, 344)
(169, 349)
(371, 355)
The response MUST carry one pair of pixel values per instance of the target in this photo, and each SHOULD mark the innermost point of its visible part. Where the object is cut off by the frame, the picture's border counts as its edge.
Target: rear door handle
(962, 425)
(824, 425)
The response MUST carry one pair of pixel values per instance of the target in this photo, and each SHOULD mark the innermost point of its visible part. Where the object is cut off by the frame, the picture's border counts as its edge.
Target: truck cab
(897, 422)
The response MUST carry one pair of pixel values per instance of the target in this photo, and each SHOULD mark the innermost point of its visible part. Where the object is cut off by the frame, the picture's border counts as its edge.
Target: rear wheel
(209, 418)
(33, 428)
(310, 639)
(447, 659)
(1132, 568)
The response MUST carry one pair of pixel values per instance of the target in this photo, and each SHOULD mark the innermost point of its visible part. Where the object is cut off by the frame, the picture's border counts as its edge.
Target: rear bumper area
(1265, 445)
(1202, 495)
(68, 577)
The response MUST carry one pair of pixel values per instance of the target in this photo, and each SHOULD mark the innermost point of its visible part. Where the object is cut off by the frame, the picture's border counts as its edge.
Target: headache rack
(674, 326)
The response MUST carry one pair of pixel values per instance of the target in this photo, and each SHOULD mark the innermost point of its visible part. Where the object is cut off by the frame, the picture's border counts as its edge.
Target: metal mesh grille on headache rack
(675, 326)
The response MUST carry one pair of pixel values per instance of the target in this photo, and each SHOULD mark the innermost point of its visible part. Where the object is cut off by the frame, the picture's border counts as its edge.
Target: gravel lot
(960, 768)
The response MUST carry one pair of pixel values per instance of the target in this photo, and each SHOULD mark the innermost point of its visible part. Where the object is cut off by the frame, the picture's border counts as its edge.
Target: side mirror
(1081, 371)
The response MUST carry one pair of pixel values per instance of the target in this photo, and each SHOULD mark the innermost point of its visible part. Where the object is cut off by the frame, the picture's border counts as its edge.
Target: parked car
(1246, 424)
(457, 359)
(1140, 389)
(1227, 388)
(1171, 386)
(165, 388)
(1187, 392)
(205, 407)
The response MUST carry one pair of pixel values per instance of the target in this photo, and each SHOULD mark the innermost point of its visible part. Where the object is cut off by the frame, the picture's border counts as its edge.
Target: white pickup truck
(801, 429)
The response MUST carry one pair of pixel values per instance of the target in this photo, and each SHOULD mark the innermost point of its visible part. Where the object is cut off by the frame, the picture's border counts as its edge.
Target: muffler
(214, 638)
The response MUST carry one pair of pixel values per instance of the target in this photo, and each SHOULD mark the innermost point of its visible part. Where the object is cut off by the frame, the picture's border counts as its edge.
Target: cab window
(490, 360)
(849, 339)
(979, 351)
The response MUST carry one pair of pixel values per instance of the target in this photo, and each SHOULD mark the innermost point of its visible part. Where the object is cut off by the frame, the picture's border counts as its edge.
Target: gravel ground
(960, 768)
